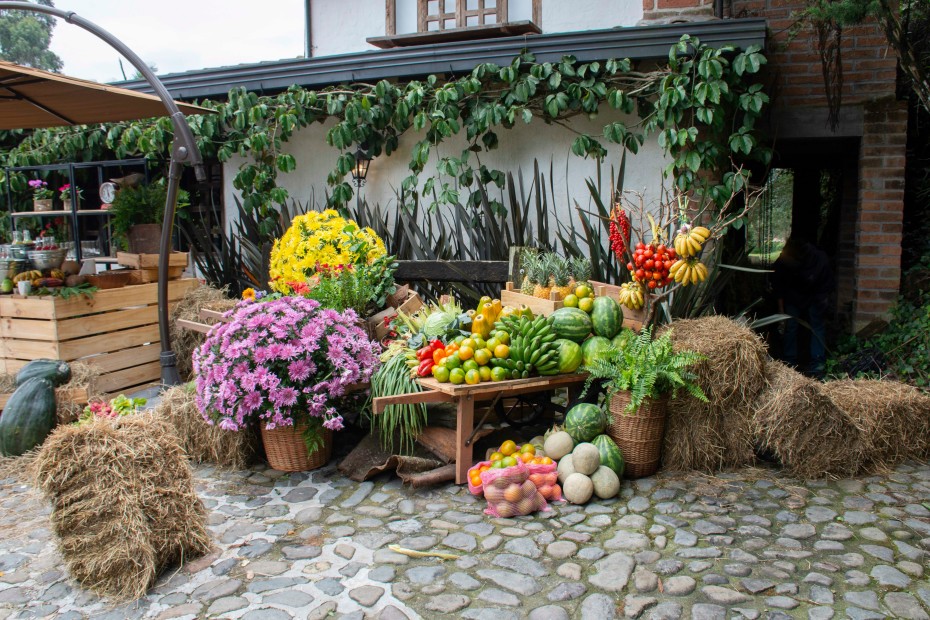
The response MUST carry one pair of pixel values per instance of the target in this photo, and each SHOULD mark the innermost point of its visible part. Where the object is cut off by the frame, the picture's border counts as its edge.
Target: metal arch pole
(183, 151)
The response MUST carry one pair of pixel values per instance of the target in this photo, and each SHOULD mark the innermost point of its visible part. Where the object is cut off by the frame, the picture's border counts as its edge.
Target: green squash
(56, 371)
(28, 417)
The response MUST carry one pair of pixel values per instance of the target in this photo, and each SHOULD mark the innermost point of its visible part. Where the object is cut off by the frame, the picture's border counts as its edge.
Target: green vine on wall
(703, 105)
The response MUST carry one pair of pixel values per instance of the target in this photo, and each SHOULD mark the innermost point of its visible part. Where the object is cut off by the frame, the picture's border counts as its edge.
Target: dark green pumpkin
(28, 417)
(56, 371)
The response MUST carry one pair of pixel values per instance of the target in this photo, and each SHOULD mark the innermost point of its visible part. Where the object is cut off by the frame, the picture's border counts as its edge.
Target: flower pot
(286, 450)
(66, 204)
(42, 204)
(638, 434)
(144, 238)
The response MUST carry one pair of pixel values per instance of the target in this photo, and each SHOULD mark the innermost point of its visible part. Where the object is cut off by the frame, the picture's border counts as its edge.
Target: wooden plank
(503, 12)
(81, 327)
(150, 261)
(145, 276)
(421, 15)
(510, 296)
(193, 326)
(104, 343)
(429, 396)
(493, 387)
(211, 314)
(12, 366)
(102, 301)
(127, 358)
(28, 349)
(121, 380)
(390, 18)
(453, 271)
(465, 420)
(25, 329)
(537, 14)
(424, 37)
(74, 395)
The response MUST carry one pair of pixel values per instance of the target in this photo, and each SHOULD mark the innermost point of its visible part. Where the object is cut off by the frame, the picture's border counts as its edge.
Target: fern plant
(646, 368)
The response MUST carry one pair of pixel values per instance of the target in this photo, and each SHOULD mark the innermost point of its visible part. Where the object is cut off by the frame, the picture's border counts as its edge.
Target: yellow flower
(320, 238)
(249, 294)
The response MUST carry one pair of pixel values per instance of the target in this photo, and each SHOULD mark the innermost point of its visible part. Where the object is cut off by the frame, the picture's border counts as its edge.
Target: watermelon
(571, 323)
(623, 338)
(584, 422)
(593, 348)
(570, 356)
(606, 318)
(611, 456)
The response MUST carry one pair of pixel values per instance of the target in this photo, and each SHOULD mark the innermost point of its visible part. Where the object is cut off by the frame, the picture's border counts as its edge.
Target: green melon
(623, 338)
(570, 356)
(606, 318)
(611, 456)
(594, 348)
(571, 323)
(28, 417)
(584, 422)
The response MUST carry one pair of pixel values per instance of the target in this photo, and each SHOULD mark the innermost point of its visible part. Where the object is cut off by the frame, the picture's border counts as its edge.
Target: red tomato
(649, 264)
(652, 284)
(640, 274)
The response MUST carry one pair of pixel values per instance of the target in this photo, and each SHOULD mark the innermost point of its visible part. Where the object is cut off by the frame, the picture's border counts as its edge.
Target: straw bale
(717, 434)
(185, 341)
(123, 502)
(797, 420)
(894, 418)
(203, 442)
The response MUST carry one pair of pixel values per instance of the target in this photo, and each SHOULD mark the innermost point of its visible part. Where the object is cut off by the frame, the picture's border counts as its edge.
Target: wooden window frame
(461, 15)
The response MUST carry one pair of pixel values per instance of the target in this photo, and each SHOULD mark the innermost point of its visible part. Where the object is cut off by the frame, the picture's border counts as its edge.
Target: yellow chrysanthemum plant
(319, 242)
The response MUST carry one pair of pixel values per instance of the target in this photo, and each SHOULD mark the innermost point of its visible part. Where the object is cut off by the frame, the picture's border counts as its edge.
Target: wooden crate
(145, 266)
(409, 303)
(116, 330)
(632, 319)
(511, 296)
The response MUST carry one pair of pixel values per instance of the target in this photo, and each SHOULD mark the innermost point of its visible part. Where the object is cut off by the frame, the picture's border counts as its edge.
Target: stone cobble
(317, 545)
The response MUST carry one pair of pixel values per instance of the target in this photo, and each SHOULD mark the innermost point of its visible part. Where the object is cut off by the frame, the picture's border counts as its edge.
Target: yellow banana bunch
(631, 296)
(688, 271)
(690, 241)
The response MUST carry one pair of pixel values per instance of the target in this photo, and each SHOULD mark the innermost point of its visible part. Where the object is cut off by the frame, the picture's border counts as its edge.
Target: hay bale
(203, 442)
(717, 434)
(894, 419)
(123, 502)
(797, 420)
(185, 341)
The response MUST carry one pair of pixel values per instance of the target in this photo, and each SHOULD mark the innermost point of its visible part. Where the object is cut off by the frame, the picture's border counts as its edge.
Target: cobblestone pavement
(747, 544)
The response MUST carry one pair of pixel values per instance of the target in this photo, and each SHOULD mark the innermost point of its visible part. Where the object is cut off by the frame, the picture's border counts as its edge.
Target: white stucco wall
(517, 150)
(342, 26)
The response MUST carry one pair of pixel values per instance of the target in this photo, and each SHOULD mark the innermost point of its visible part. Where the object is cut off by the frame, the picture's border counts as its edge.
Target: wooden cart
(465, 397)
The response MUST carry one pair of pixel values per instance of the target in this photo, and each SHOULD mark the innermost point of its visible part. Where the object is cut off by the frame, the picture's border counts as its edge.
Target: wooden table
(465, 396)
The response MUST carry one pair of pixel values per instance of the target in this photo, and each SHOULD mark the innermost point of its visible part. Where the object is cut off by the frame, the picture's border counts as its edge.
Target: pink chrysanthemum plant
(280, 363)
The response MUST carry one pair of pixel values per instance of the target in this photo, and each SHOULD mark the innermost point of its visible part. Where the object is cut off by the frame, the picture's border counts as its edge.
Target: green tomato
(457, 376)
(441, 374)
(470, 365)
(453, 361)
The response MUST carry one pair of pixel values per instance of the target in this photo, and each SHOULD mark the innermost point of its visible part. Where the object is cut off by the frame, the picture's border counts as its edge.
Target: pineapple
(581, 270)
(561, 276)
(528, 262)
(543, 277)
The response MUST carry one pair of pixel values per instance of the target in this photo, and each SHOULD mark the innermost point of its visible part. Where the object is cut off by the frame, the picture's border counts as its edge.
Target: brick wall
(881, 209)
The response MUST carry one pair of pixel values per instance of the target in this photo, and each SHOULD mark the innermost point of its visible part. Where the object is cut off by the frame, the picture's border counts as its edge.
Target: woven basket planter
(286, 450)
(638, 434)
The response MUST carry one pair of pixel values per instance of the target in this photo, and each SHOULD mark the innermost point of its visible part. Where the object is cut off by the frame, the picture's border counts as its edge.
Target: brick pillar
(881, 210)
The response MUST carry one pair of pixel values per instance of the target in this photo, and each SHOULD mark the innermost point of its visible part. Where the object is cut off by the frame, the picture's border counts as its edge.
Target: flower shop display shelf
(464, 398)
(115, 329)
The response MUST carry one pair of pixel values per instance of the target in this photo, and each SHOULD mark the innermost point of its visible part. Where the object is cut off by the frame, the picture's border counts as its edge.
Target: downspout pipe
(183, 151)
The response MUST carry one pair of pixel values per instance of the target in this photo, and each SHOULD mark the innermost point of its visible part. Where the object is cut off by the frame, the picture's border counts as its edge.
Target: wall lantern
(360, 169)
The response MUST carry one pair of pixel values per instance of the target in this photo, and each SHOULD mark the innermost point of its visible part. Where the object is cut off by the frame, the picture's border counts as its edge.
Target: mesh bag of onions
(511, 493)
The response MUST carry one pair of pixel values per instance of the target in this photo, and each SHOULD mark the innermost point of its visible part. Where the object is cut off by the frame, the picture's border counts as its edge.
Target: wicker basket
(286, 450)
(638, 435)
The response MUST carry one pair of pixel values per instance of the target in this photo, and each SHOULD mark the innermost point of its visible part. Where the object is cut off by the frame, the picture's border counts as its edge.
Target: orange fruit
(508, 447)
(513, 493)
(502, 351)
(482, 356)
(483, 469)
(485, 373)
(509, 461)
(475, 479)
(526, 457)
(496, 456)
(528, 447)
(468, 342)
(466, 353)
(472, 377)
(545, 461)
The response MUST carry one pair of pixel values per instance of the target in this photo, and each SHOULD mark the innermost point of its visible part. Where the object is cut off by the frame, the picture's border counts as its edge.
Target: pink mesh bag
(546, 479)
(472, 488)
(511, 493)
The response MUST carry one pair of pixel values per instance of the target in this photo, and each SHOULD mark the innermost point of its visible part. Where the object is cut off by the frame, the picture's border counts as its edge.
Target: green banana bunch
(532, 344)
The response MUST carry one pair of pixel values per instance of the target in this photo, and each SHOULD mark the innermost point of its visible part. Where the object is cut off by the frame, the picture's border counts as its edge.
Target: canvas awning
(32, 98)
